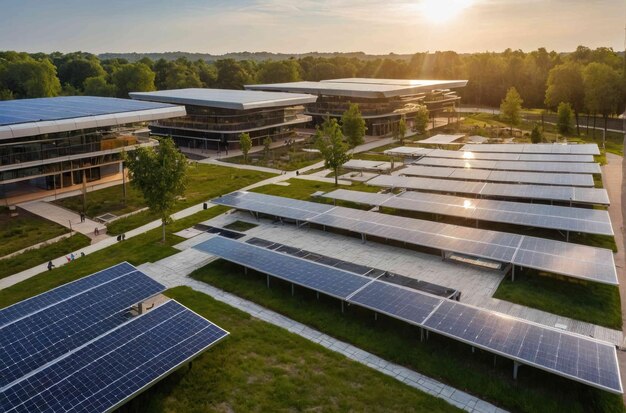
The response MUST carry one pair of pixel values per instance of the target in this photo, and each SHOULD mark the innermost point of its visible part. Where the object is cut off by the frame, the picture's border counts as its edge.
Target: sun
(441, 11)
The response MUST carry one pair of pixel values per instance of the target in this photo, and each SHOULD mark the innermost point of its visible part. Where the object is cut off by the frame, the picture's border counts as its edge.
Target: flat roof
(425, 83)
(225, 98)
(376, 88)
(29, 117)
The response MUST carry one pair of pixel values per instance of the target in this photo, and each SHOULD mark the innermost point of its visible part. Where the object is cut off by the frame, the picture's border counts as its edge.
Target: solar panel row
(522, 166)
(567, 194)
(579, 358)
(547, 148)
(503, 156)
(587, 220)
(102, 374)
(540, 178)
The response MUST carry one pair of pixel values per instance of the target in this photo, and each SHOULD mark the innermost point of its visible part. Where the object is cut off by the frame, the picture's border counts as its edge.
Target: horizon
(277, 26)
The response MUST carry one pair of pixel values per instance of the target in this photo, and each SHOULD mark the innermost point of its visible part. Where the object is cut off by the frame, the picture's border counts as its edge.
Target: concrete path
(173, 271)
(65, 217)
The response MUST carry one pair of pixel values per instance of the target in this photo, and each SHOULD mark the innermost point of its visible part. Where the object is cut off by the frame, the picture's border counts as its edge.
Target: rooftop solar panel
(522, 166)
(41, 337)
(576, 357)
(492, 189)
(407, 151)
(493, 245)
(51, 297)
(442, 139)
(328, 280)
(545, 148)
(67, 107)
(587, 220)
(502, 156)
(102, 374)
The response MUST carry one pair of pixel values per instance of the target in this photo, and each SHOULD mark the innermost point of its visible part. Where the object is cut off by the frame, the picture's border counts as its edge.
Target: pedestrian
(50, 265)
(119, 238)
(67, 258)
(72, 257)
(82, 217)
(123, 237)
(297, 173)
(82, 254)
(96, 231)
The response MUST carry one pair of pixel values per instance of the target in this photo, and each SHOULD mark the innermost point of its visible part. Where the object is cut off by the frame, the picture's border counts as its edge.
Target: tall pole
(123, 183)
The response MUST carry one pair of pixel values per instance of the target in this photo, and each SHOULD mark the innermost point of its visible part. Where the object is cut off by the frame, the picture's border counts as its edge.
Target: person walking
(82, 217)
(50, 265)
(72, 257)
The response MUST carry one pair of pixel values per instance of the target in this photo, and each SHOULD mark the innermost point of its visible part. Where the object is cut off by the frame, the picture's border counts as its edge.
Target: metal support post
(292, 289)
(515, 367)
(375, 316)
(363, 239)
(268, 280)
(342, 306)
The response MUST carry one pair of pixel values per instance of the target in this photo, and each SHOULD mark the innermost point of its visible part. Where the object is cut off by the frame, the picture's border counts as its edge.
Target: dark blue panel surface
(41, 337)
(63, 292)
(563, 353)
(108, 371)
(327, 280)
(67, 107)
(395, 301)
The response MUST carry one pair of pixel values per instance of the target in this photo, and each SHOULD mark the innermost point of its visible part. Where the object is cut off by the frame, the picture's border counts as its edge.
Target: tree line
(591, 80)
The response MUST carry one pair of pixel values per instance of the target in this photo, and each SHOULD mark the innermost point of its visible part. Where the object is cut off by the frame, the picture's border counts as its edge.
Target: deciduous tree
(420, 121)
(245, 144)
(160, 174)
(329, 141)
(511, 108)
(353, 125)
(565, 84)
(564, 118)
(134, 77)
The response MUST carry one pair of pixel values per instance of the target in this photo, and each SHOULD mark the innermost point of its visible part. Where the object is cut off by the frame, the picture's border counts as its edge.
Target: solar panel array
(539, 178)
(77, 348)
(547, 148)
(442, 139)
(503, 156)
(577, 357)
(524, 166)
(567, 194)
(595, 264)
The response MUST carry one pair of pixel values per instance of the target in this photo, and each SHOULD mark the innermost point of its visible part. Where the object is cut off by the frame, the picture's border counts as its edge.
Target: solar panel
(442, 139)
(290, 208)
(328, 280)
(492, 189)
(584, 180)
(522, 166)
(493, 245)
(576, 357)
(407, 151)
(396, 301)
(63, 292)
(587, 220)
(104, 373)
(545, 148)
(40, 337)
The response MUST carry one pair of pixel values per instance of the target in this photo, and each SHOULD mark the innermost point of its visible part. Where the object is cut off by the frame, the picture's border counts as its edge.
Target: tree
(420, 121)
(232, 74)
(26, 77)
(603, 90)
(565, 84)
(134, 77)
(353, 125)
(279, 71)
(401, 128)
(536, 135)
(245, 143)
(564, 118)
(77, 67)
(329, 141)
(98, 86)
(160, 174)
(511, 107)
(267, 143)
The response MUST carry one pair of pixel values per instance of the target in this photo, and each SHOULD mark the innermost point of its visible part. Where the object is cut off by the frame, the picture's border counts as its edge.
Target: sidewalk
(65, 217)
(173, 271)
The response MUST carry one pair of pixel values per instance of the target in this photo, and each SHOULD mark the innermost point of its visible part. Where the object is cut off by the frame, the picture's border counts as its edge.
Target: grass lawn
(586, 301)
(240, 226)
(282, 157)
(303, 189)
(446, 360)
(264, 368)
(41, 255)
(26, 229)
(137, 250)
(205, 182)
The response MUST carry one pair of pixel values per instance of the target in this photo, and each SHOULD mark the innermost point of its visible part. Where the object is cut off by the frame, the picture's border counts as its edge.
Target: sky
(370, 26)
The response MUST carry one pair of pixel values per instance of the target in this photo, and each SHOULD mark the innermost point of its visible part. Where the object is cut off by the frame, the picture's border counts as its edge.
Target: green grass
(17, 233)
(443, 359)
(205, 182)
(263, 368)
(137, 250)
(240, 226)
(578, 299)
(281, 158)
(41, 255)
(303, 189)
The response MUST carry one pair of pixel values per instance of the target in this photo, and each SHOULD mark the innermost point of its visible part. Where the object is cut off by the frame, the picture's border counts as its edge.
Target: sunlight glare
(467, 204)
(440, 11)
(468, 155)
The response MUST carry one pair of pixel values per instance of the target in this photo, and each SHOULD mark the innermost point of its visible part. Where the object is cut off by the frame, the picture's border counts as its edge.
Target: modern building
(217, 117)
(383, 102)
(55, 143)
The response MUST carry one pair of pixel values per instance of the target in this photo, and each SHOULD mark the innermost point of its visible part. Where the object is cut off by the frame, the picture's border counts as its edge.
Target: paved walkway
(65, 217)
(172, 271)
